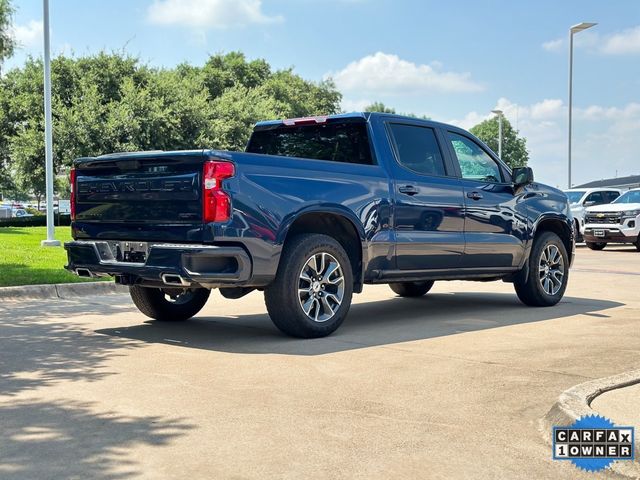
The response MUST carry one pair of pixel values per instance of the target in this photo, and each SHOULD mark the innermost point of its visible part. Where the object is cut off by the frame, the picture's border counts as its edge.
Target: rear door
(428, 213)
(495, 218)
(145, 197)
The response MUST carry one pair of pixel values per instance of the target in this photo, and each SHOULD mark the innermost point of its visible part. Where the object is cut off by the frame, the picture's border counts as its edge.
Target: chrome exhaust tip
(173, 279)
(84, 272)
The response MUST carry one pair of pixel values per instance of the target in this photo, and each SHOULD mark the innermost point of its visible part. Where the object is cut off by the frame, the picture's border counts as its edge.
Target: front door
(428, 212)
(495, 218)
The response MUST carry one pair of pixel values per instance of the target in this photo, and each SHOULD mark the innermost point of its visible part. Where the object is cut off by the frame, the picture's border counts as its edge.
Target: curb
(60, 291)
(576, 402)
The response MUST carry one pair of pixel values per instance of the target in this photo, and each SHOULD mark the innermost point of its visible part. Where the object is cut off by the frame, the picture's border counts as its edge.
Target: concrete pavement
(451, 385)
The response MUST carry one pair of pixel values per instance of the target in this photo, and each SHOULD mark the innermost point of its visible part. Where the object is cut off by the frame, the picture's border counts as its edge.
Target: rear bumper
(165, 264)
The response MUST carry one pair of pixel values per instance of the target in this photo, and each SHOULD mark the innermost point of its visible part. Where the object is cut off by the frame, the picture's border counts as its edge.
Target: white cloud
(553, 45)
(625, 42)
(386, 74)
(29, 35)
(209, 13)
(606, 140)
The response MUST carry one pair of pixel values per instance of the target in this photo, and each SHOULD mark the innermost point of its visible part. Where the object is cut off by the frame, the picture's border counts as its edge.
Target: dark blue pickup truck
(313, 210)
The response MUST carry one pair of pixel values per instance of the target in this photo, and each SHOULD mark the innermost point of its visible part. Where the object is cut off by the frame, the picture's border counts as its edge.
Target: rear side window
(343, 142)
(418, 149)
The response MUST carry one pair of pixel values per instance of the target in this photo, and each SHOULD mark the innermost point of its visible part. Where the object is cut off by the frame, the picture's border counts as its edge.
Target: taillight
(216, 205)
(72, 183)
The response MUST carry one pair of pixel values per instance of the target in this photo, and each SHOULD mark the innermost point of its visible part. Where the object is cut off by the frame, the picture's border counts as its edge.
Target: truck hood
(614, 207)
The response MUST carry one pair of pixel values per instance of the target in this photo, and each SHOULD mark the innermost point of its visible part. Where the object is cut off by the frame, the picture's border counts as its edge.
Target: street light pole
(500, 114)
(48, 136)
(572, 31)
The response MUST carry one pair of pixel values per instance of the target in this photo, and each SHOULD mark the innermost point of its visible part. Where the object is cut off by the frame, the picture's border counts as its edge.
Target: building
(623, 183)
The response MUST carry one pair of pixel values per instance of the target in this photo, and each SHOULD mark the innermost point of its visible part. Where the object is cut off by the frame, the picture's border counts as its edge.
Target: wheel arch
(340, 224)
(561, 226)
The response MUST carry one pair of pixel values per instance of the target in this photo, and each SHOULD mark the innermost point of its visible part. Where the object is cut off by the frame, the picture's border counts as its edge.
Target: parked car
(313, 210)
(21, 213)
(618, 222)
(581, 198)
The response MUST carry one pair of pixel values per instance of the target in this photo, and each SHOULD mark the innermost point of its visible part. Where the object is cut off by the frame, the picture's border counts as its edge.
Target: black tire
(579, 237)
(530, 288)
(284, 297)
(154, 304)
(638, 244)
(411, 289)
(596, 245)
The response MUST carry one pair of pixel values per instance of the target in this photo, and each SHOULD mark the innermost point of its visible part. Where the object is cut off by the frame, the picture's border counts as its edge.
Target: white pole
(570, 102)
(500, 136)
(48, 136)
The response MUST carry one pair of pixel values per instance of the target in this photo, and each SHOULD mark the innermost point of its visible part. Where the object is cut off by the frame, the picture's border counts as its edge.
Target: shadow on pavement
(40, 344)
(39, 439)
(368, 324)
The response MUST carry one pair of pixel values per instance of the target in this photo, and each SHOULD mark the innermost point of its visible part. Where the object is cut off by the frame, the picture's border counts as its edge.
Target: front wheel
(169, 304)
(596, 245)
(548, 272)
(411, 289)
(311, 294)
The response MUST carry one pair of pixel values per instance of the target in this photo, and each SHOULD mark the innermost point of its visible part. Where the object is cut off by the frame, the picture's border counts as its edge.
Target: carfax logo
(593, 443)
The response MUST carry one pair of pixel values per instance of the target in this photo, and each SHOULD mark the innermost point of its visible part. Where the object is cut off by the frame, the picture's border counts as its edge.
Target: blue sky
(453, 61)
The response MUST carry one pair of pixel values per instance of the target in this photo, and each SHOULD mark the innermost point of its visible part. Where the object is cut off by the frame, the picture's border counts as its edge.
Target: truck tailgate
(140, 196)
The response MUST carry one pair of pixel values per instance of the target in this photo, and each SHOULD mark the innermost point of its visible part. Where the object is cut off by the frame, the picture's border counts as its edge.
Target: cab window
(595, 198)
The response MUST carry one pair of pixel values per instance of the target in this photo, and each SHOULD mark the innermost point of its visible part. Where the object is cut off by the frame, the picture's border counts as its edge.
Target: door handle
(408, 190)
(474, 195)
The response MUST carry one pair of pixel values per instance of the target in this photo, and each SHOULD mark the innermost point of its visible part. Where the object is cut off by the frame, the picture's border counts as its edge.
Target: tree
(111, 102)
(7, 42)
(382, 108)
(514, 147)
(379, 107)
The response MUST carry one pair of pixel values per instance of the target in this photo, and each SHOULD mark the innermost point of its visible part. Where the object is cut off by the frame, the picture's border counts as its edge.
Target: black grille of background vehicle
(605, 218)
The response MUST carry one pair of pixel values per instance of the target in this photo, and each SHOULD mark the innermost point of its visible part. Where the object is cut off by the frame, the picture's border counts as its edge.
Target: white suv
(618, 222)
(581, 198)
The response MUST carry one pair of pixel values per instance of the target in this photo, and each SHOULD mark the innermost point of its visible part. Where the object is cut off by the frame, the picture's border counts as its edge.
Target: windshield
(575, 196)
(632, 196)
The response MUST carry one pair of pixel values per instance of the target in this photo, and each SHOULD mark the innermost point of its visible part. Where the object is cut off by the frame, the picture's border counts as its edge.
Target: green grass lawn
(24, 262)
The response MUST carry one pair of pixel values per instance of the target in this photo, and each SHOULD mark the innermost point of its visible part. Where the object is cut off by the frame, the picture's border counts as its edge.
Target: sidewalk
(622, 407)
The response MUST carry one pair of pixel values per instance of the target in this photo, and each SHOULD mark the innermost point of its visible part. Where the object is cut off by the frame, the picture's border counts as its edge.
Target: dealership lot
(451, 385)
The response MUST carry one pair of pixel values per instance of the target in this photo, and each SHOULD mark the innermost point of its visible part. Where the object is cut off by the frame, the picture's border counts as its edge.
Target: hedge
(35, 221)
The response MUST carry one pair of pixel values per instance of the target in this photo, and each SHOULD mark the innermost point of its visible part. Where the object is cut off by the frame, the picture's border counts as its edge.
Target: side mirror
(522, 176)
(590, 203)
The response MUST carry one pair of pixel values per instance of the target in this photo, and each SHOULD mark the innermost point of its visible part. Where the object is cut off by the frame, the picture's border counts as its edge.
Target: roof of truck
(351, 116)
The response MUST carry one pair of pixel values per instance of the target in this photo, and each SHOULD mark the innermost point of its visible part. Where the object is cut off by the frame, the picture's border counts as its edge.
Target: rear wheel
(638, 244)
(596, 245)
(411, 289)
(311, 294)
(548, 272)
(169, 304)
